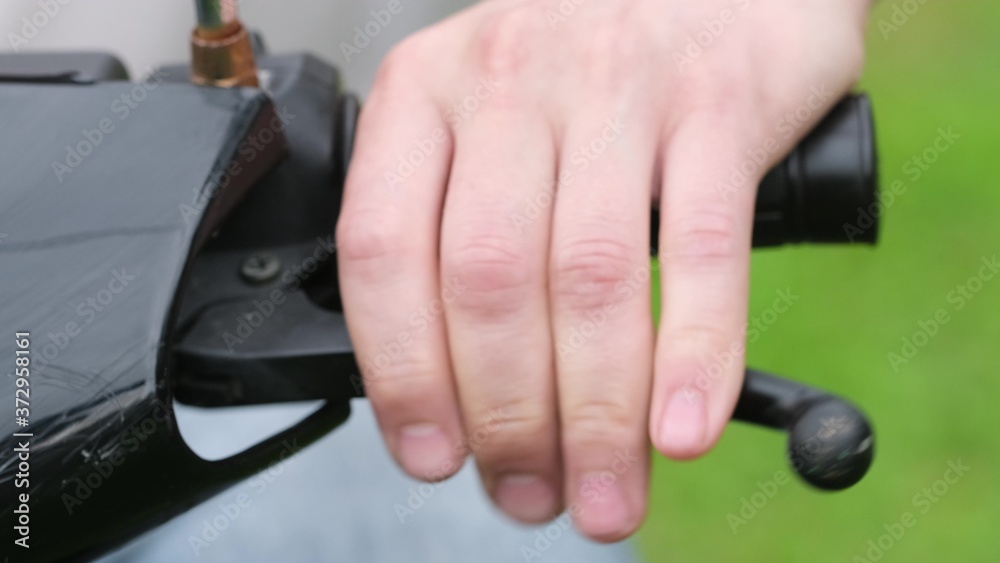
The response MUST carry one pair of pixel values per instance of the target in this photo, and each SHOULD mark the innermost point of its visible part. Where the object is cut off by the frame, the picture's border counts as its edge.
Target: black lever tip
(830, 444)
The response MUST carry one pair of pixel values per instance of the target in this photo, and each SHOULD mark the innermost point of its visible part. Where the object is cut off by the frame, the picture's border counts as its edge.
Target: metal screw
(261, 267)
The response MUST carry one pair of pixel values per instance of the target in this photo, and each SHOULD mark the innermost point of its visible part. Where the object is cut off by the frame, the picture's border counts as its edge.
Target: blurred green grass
(938, 70)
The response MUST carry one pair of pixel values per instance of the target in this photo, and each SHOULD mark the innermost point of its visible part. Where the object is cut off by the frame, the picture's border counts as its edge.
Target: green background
(857, 304)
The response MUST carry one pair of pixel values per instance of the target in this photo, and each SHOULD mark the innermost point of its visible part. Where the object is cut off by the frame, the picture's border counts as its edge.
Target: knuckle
(398, 68)
(600, 421)
(504, 45)
(587, 273)
(702, 357)
(705, 236)
(366, 238)
(720, 99)
(391, 73)
(517, 438)
(398, 384)
(695, 334)
(493, 272)
(615, 56)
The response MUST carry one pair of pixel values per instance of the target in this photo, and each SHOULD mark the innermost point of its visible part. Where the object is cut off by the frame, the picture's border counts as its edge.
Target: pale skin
(493, 244)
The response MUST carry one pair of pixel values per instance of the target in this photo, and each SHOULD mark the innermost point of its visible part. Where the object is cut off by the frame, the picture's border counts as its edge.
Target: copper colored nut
(223, 61)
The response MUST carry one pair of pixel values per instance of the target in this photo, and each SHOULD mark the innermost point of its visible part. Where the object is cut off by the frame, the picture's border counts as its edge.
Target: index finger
(705, 241)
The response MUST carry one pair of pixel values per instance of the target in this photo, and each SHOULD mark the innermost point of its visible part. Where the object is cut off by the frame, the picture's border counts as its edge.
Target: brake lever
(830, 441)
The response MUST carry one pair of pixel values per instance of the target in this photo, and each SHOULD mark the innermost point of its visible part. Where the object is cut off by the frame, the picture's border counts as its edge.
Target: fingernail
(684, 422)
(424, 451)
(604, 510)
(527, 498)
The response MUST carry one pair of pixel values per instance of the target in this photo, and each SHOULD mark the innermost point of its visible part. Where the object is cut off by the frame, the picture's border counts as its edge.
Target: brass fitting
(223, 56)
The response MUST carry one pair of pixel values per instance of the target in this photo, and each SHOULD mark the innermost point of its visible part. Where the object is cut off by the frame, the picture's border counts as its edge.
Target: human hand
(494, 235)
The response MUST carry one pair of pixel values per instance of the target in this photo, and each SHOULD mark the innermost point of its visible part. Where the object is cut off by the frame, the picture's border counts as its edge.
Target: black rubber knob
(830, 444)
(830, 441)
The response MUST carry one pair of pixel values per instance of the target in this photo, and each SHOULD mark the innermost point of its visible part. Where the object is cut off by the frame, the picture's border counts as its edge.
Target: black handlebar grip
(821, 186)
(813, 195)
